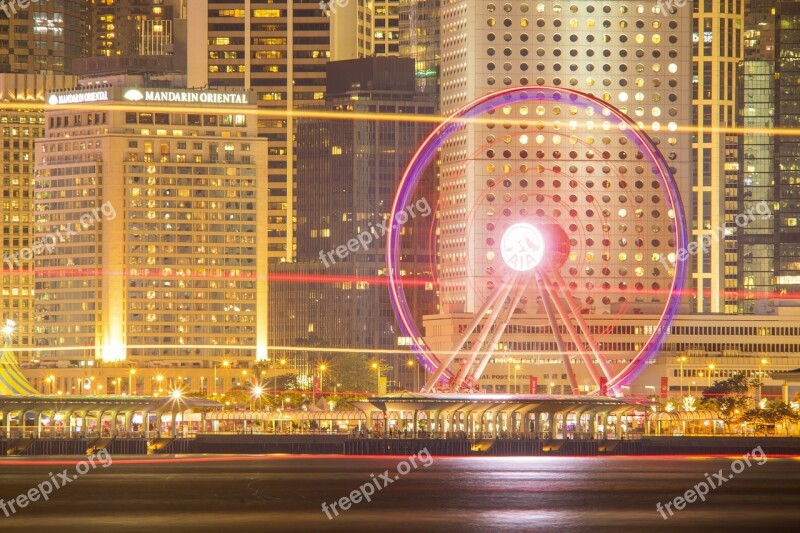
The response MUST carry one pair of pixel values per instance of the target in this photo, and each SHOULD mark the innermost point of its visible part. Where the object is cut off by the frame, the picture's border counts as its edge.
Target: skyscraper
(43, 38)
(279, 50)
(22, 103)
(420, 38)
(756, 240)
(787, 148)
(336, 291)
(38, 45)
(717, 38)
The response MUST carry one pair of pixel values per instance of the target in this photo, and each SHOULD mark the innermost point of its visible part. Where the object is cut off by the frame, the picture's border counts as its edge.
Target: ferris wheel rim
(424, 156)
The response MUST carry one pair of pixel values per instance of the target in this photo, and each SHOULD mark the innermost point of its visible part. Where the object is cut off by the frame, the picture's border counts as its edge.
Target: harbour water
(286, 493)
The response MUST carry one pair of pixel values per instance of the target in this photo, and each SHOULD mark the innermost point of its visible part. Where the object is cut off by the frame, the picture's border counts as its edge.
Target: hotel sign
(187, 97)
(78, 98)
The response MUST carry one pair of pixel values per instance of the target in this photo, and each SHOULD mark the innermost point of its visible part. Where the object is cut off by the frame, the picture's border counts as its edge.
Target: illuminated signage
(78, 98)
(187, 97)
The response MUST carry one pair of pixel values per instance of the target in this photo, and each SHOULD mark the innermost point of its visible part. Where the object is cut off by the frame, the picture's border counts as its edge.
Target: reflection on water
(285, 493)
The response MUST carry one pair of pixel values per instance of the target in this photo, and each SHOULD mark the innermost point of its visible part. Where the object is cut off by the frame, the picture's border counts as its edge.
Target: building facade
(22, 104)
(717, 50)
(279, 50)
(151, 207)
(43, 38)
(341, 298)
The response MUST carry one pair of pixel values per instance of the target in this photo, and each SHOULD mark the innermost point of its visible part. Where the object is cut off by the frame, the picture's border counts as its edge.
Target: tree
(783, 413)
(728, 398)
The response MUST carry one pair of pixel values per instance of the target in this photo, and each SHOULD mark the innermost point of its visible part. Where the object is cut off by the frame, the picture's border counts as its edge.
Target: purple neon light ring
(430, 147)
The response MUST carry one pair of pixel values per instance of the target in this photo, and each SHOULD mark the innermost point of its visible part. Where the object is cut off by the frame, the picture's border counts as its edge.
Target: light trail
(434, 120)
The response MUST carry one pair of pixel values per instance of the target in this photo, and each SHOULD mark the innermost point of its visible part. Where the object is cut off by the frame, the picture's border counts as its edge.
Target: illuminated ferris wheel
(554, 207)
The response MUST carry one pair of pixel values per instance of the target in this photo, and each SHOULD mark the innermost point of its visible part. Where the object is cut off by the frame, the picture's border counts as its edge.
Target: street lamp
(761, 365)
(159, 379)
(516, 369)
(256, 392)
(225, 364)
(377, 367)
(131, 373)
(682, 360)
(275, 389)
(711, 368)
(117, 388)
(322, 368)
(412, 364)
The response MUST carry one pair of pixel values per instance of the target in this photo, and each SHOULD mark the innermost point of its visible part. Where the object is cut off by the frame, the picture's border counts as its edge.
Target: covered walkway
(97, 416)
(475, 416)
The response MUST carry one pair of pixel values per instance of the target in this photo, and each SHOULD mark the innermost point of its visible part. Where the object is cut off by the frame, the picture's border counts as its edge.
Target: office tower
(38, 45)
(135, 37)
(625, 53)
(717, 49)
(787, 148)
(420, 39)
(22, 103)
(492, 47)
(44, 37)
(347, 172)
(153, 203)
(756, 240)
(352, 27)
(361, 28)
(278, 50)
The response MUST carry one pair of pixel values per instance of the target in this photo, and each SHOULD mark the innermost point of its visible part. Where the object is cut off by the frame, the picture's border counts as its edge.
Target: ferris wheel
(554, 207)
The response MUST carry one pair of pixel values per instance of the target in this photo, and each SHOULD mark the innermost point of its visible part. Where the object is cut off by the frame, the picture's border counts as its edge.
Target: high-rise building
(625, 53)
(43, 38)
(336, 292)
(756, 240)
(279, 50)
(717, 49)
(22, 103)
(787, 148)
(364, 28)
(420, 39)
(135, 37)
(38, 45)
(151, 202)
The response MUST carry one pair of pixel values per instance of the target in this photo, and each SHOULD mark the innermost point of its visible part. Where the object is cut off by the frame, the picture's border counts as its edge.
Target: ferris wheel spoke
(590, 340)
(565, 318)
(445, 364)
(473, 378)
(548, 308)
(494, 313)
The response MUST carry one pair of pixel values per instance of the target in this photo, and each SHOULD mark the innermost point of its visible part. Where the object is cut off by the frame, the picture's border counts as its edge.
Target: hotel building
(154, 201)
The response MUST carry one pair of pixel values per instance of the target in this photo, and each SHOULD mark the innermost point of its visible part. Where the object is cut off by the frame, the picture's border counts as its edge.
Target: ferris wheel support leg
(570, 329)
(504, 291)
(473, 378)
(548, 308)
(440, 370)
(598, 353)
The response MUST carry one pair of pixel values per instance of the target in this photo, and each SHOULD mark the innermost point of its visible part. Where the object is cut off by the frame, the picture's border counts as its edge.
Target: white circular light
(522, 247)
